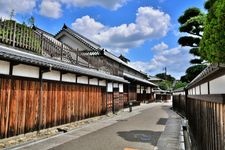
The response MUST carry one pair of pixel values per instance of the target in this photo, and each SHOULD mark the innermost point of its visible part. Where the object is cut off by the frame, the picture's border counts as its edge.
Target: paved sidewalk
(169, 139)
(172, 138)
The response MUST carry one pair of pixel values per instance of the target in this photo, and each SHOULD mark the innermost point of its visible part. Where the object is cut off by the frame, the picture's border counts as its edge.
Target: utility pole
(165, 72)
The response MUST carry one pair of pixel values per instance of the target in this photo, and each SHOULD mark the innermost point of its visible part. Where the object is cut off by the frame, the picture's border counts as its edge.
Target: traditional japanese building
(48, 80)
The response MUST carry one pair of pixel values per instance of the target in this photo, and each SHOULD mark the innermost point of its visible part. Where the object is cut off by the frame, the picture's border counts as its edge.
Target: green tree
(179, 84)
(167, 82)
(165, 85)
(165, 76)
(213, 43)
(193, 71)
(192, 23)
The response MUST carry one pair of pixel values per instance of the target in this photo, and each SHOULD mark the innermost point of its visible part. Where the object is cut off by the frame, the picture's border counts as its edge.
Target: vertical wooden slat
(222, 126)
(13, 109)
(83, 102)
(218, 126)
(36, 106)
(44, 103)
(32, 99)
(77, 105)
(5, 105)
(63, 104)
(1, 98)
(59, 104)
(69, 102)
(22, 107)
(223, 112)
(54, 102)
(73, 103)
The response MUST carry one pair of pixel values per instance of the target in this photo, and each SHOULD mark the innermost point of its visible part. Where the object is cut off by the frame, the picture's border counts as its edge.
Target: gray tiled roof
(205, 73)
(79, 37)
(138, 79)
(21, 56)
(95, 46)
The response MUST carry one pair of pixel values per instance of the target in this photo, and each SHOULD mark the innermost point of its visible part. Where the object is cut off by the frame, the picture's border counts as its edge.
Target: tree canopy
(165, 76)
(212, 47)
(192, 23)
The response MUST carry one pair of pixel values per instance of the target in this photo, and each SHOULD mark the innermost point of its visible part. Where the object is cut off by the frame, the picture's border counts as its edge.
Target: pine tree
(192, 23)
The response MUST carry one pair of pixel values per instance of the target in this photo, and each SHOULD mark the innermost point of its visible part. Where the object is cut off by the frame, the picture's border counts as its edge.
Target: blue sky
(145, 31)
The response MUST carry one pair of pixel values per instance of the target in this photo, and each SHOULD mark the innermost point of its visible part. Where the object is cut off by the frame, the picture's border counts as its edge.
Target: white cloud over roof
(175, 59)
(150, 23)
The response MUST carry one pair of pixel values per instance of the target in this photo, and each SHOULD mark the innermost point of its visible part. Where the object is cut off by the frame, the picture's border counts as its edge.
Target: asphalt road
(139, 132)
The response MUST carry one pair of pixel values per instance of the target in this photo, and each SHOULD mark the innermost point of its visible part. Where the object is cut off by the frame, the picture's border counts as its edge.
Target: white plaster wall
(217, 86)
(109, 87)
(190, 92)
(121, 88)
(115, 85)
(53, 75)
(204, 88)
(82, 80)
(69, 77)
(71, 43)
(142, 89)
(26, 71)
(177, 93)
(93, 81)
(148, 90)
(102, 83)
(4, 67)
(138, 88)
(197, 90)
(194, 91)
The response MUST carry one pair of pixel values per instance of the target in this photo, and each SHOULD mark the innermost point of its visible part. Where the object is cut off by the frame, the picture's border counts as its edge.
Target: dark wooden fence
(206, 117)
(24, 108)
(179, 104)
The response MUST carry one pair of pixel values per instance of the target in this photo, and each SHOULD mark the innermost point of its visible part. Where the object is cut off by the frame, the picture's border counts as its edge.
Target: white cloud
(175, 59)
(159, 47)
(109, 4)
(88, 25)
(150, 23)
(50, 8)
(19, 6)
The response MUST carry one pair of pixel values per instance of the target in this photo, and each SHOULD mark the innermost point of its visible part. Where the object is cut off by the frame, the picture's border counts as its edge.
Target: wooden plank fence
(59, 103)
(206, 118)
(179, 104)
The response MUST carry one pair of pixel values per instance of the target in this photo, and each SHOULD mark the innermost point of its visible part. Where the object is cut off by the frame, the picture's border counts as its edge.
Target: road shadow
(144, 136)
(162, 121)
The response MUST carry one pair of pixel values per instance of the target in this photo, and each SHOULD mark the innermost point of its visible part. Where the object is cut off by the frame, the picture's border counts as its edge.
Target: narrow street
(140, 129)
